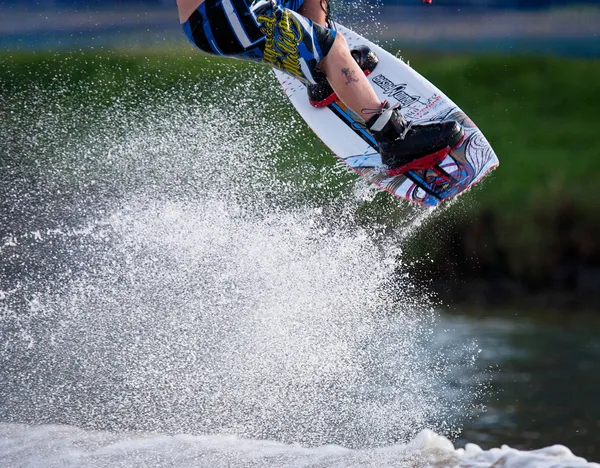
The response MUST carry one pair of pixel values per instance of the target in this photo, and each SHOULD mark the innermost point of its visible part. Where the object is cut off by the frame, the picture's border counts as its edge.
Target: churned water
(175, 291)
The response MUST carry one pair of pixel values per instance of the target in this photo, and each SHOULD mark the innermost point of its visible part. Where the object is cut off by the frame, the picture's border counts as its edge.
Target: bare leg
(419, 145)
(348, 80)
(343, 73)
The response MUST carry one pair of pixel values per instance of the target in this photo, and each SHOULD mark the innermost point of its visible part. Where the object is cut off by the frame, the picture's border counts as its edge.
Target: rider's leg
(343, 73)
(402, 145)
(348, 80)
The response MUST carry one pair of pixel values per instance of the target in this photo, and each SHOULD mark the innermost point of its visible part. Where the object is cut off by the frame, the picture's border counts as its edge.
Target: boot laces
(385, 114)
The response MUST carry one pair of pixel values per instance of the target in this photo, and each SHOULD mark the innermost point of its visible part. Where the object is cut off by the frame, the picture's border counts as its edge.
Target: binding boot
(405, 146)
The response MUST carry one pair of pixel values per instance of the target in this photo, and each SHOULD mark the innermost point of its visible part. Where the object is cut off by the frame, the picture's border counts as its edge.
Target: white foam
(63, 446)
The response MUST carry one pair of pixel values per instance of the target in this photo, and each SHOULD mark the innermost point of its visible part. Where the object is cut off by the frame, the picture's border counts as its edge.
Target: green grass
(540, 114)
(541, 117)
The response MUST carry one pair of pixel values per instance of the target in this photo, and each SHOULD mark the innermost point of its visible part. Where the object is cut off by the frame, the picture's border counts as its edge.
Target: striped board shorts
(270, 31)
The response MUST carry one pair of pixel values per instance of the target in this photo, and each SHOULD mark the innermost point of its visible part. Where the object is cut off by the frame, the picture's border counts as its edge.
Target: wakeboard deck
(344, 133)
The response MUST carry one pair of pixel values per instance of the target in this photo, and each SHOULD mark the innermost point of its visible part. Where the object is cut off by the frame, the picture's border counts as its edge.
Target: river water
(545, 380)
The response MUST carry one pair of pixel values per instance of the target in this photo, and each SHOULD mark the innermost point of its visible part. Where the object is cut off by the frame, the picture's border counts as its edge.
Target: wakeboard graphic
(343, 131)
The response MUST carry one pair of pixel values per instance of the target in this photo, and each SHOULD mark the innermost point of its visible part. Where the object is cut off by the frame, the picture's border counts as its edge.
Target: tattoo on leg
(349, 74)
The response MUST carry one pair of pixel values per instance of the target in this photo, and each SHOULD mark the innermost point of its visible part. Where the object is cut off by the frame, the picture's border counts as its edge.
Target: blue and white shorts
(270, 32)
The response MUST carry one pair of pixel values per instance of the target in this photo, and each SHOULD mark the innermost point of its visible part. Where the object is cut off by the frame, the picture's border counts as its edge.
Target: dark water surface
(545, 385)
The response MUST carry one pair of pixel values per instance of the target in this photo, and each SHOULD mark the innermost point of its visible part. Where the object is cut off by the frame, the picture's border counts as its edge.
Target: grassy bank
(540, 114)
(538, 211)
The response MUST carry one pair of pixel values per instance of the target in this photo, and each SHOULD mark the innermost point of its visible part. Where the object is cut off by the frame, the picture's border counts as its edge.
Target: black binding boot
(321, 94)
(405, 146)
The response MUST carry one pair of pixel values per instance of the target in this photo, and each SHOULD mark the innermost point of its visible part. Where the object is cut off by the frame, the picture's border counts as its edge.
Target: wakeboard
(343, 131)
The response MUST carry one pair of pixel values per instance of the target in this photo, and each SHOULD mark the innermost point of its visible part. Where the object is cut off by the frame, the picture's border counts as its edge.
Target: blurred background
(514, 264)
(540, 26)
